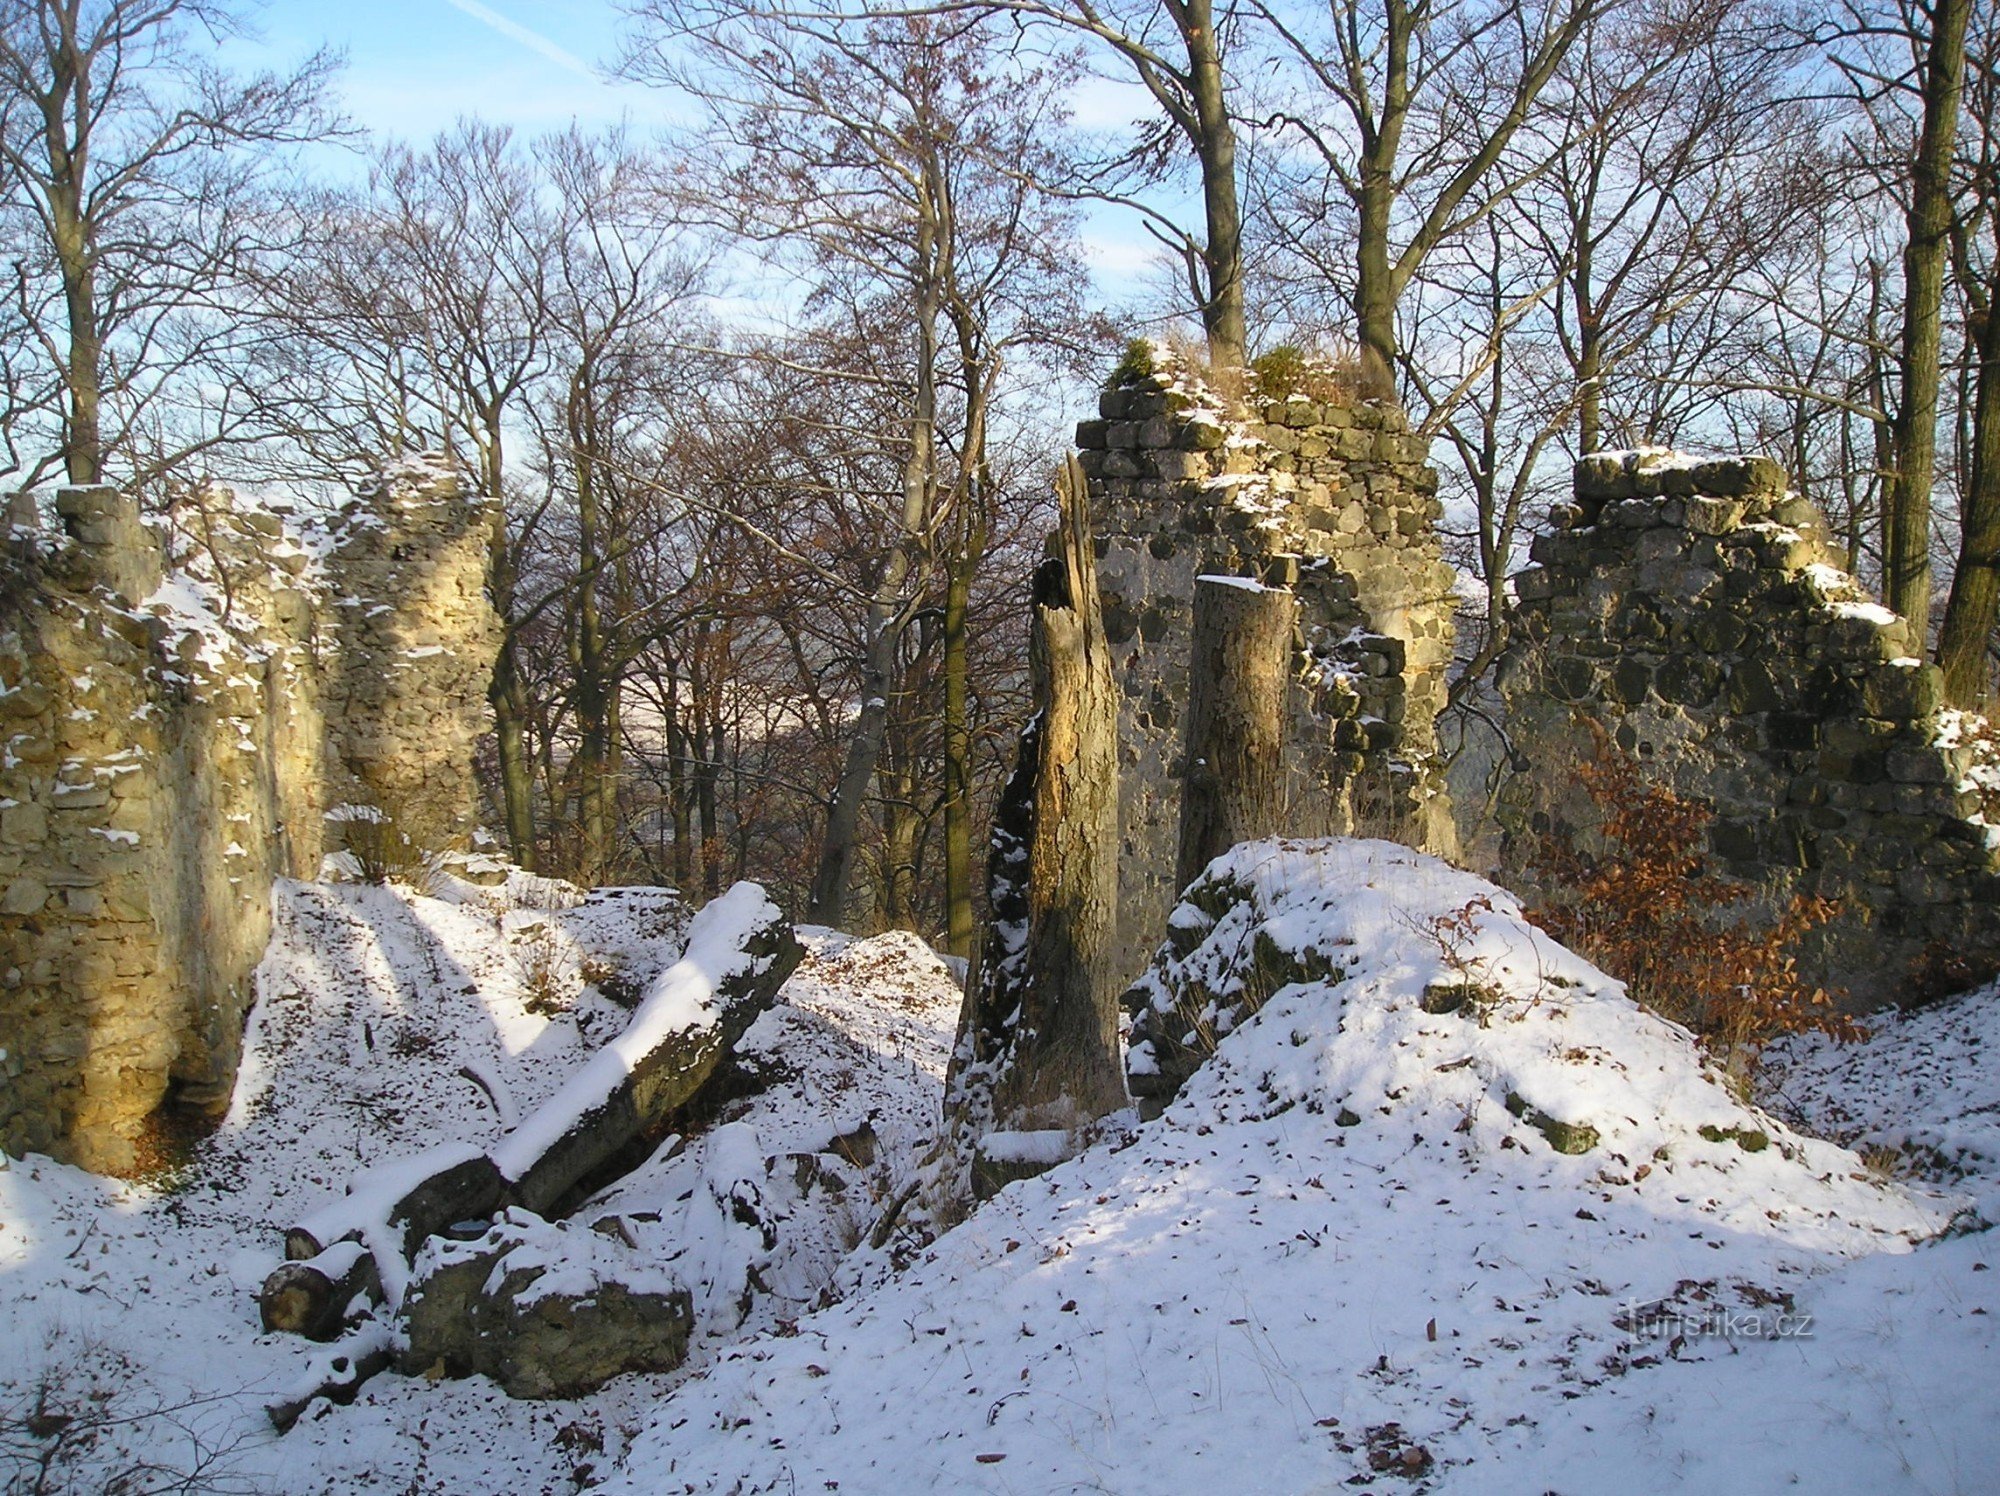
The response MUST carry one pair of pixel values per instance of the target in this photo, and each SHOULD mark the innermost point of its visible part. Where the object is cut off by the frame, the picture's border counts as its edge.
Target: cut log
(313, 1298)
(740, 950)
(417, 1197)
(1239, 672)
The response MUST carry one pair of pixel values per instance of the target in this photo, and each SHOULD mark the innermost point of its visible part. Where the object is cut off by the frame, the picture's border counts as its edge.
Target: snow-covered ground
(1348, 1255)
(389, 1023)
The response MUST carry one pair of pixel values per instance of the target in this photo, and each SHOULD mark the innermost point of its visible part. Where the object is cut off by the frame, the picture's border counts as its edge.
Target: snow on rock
(133, 1308)
(1920, 1095)
(1350, 1248)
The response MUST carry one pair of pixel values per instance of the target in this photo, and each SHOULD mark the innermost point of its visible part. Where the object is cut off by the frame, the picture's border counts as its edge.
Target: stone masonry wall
(414, 640)
(178, 710)
(1333, 498)
(1694, 612)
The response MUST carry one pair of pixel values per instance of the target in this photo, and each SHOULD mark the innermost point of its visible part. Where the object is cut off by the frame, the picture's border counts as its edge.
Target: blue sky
(413, 66)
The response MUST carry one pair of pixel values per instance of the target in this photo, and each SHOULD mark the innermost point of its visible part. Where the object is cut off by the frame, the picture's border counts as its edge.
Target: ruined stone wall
(414, 640)
(1695, 612)
(178, 709)
(1330, 497)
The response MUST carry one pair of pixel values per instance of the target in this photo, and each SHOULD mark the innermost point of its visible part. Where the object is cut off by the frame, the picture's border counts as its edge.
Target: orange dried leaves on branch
(1642, 900)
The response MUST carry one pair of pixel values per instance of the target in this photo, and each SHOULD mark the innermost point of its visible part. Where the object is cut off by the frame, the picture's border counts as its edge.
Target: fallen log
(416, 1198)
(740, 950)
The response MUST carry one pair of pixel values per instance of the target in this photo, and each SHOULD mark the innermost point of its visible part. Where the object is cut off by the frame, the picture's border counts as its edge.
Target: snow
(681, 1000)
(1048, 1145)
(1339, 1246)
(1246, 584)
(1868, 612)
(1253, 1285)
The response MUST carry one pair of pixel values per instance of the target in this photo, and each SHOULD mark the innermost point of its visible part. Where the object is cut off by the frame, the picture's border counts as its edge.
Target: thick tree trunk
(1039, 1039)
(1974, 607)
(1907, 515)
(1374, 284)
(841, 840)
(1222, 315)
(1240, 655)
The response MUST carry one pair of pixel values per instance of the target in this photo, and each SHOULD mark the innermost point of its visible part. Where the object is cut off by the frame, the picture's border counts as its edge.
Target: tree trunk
(1974, 607)
(1039, 1039)
(887, 611)
(1374, 285)
(1222, 316)
(958, 913)
(1240, 655)
(1907, 514)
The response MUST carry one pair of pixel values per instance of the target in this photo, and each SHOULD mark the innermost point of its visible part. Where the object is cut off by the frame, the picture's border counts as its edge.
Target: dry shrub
(1310, 372)
(545, 966)
(380, 843)
(1648, 908)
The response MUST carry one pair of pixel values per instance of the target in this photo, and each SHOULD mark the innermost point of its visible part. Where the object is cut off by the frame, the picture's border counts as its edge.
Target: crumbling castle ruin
(1332, 500)
(1692, 612)
(1689, 613)
(188, 712)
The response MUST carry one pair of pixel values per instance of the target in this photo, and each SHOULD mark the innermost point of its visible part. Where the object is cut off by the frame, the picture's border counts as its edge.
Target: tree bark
(1240, 655)
(1973, 609)
(1907, 514)
(1222, 315)
(1040, 1031)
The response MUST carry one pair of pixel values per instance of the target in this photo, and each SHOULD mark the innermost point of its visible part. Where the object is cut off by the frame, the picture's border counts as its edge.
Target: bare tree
(419, 314)
(1904, 63)
(1965, 637)
(893, 161)
(1409, 110)
(134, 165)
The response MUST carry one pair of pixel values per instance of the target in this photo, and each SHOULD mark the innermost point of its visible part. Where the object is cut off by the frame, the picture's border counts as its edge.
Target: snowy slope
(131, 1311)
(1347, 1256)
(1340, 1257)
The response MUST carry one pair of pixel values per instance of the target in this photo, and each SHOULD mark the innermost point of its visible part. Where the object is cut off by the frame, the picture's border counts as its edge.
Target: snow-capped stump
(546, 1310)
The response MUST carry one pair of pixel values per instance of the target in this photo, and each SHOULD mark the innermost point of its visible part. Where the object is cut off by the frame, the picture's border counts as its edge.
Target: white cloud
(515, 31)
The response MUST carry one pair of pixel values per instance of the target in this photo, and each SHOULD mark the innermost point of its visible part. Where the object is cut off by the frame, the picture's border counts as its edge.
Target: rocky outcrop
(1694, 612)
(1330, 497)
(544, 1311)
(181, 702)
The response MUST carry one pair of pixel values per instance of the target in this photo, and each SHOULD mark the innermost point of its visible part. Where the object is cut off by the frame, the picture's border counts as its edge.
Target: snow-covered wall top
(182, 701)
(1694, 610)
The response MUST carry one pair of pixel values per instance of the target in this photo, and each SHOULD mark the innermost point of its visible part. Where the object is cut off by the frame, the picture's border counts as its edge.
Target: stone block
(1905, 691)
(1713, 516)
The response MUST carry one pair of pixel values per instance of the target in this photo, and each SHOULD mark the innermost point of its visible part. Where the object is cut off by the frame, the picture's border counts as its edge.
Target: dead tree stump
(1039, 1039)
(1239, 673)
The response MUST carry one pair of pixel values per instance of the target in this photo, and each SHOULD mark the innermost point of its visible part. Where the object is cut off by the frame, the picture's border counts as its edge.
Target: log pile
(348, 1263)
